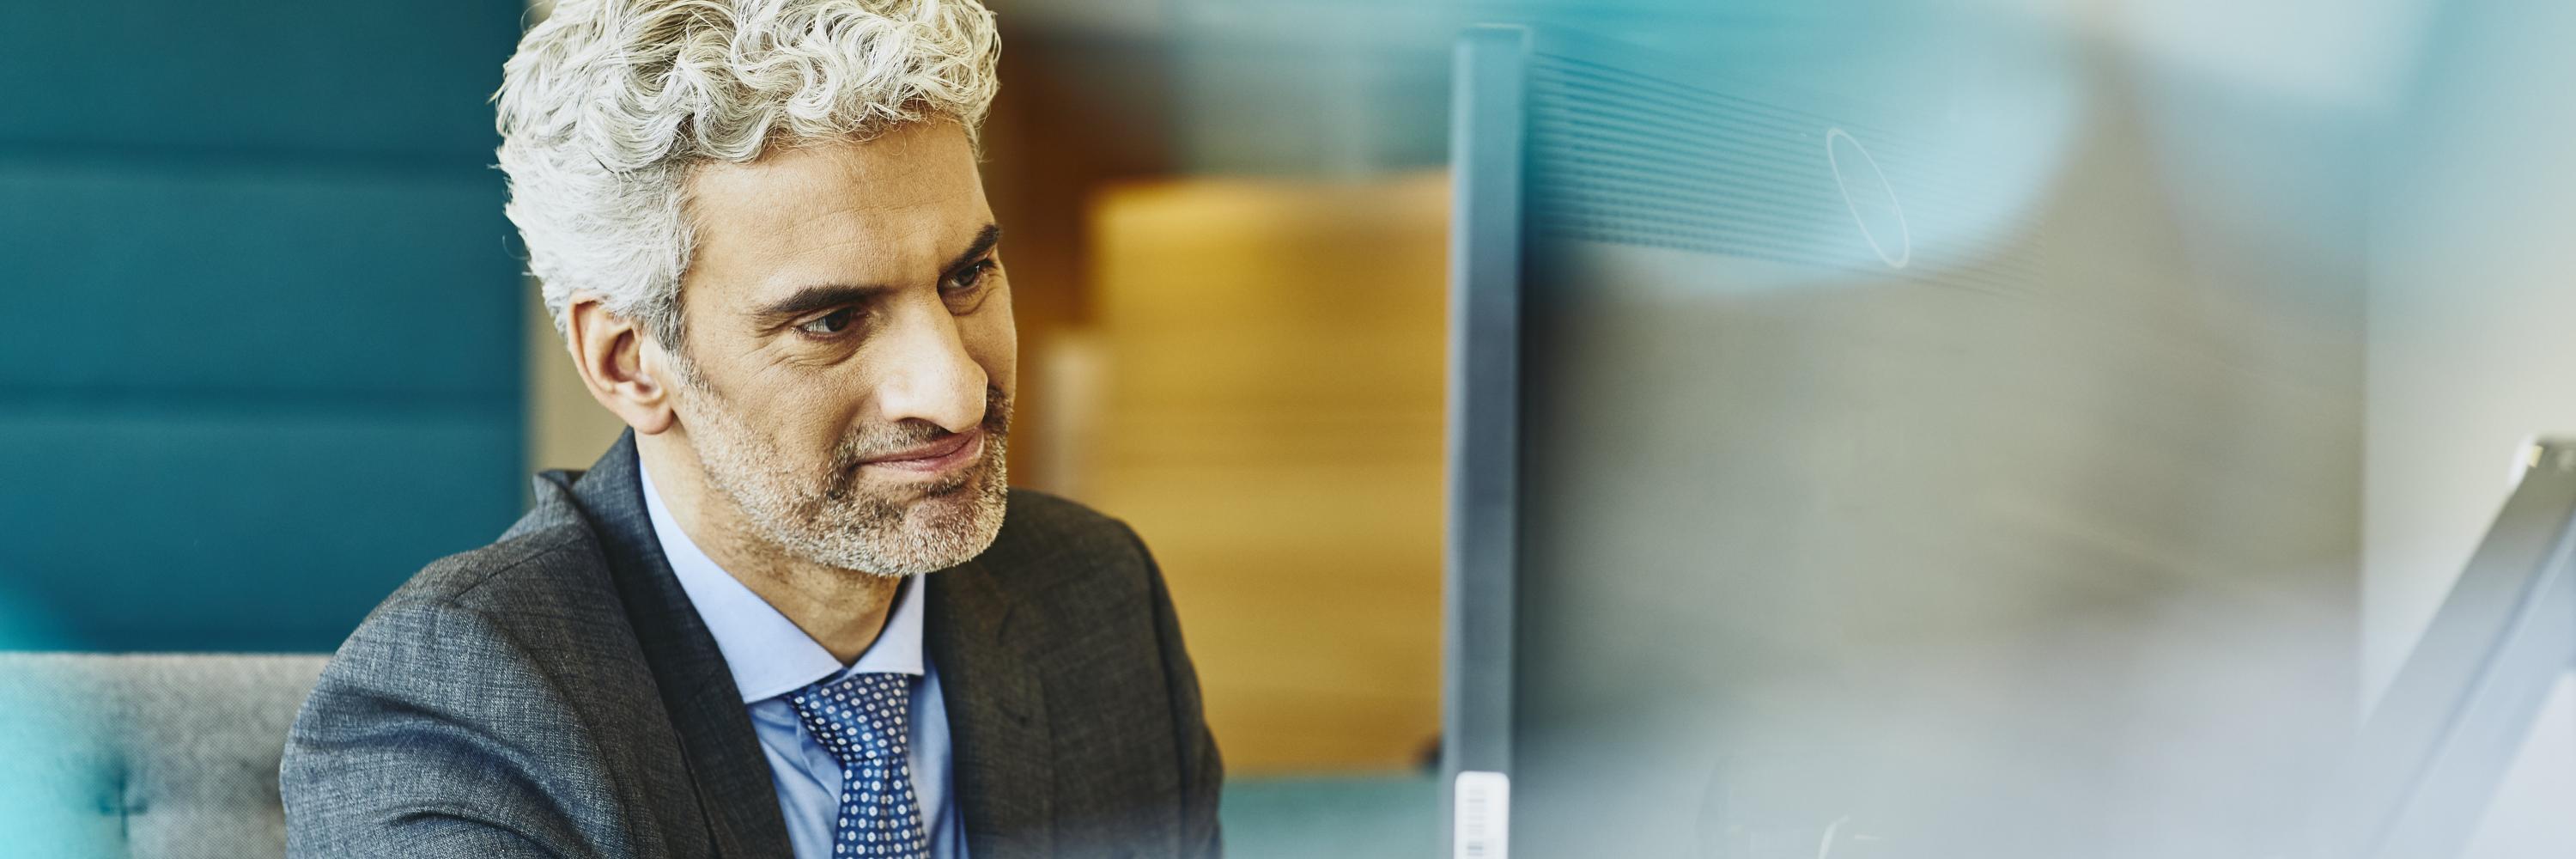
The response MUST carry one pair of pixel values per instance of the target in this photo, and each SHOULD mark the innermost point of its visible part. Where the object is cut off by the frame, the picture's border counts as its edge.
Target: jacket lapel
(730, 777)
(997, 719)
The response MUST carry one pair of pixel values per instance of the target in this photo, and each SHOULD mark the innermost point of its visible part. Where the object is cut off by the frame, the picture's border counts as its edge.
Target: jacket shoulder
(550, 565)
(497, 701)
(504, 564)
(534, 590)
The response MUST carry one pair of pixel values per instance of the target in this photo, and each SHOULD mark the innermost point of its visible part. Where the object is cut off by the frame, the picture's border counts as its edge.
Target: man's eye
(834, 322)
(968, 278)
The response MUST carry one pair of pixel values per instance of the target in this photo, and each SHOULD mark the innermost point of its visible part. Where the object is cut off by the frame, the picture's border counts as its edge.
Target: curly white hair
(608, 104)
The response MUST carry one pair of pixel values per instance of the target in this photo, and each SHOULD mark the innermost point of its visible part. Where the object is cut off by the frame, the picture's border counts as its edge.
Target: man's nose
(929, 375)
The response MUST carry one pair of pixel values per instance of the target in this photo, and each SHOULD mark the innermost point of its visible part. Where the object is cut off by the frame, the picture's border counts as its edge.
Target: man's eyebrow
(830, 295)
(813, 298)
(983, 244)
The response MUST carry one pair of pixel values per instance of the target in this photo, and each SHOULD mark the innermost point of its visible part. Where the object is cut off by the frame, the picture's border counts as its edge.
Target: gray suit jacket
(554, 694)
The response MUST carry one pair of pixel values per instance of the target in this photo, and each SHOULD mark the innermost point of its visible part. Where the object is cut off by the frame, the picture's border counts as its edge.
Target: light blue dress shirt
(770, 658)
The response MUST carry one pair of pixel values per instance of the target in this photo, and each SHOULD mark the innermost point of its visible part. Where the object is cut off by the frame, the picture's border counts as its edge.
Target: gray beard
(833, 519)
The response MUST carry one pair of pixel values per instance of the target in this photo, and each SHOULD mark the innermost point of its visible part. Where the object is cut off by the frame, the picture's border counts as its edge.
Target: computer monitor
(1855, 453)
(2443, 735)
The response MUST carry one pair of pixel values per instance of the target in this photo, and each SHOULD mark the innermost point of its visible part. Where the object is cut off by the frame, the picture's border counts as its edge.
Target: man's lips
(941, 455)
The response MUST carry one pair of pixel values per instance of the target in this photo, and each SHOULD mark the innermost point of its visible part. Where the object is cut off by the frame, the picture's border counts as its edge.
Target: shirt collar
(768, 655)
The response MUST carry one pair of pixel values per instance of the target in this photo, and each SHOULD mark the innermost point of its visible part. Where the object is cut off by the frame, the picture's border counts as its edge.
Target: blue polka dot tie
(865, 721)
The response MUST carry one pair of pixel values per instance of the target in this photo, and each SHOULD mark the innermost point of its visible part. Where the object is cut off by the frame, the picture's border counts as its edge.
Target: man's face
(850, 333)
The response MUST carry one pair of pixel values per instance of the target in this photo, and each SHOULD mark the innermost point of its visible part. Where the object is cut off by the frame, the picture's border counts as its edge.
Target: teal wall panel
(257, 280)
(259, 316)
(258, 529)
(395, 78)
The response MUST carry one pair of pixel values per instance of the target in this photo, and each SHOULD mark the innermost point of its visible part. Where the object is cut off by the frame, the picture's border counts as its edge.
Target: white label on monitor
(1483, 818)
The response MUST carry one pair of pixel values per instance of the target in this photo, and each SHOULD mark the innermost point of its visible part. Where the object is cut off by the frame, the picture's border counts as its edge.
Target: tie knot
(865, 716)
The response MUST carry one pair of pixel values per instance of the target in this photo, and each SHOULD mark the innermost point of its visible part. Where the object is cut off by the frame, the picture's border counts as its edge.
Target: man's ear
(610, 352)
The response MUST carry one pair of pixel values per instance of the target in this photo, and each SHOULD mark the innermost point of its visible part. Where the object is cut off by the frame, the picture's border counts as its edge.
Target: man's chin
(904, 527)
(951, 524)
(953, 511)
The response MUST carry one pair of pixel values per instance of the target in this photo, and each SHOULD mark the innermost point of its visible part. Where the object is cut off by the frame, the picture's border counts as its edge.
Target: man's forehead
(882, 209)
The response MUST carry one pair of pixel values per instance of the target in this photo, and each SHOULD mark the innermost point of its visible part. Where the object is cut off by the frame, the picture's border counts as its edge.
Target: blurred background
(253, 265)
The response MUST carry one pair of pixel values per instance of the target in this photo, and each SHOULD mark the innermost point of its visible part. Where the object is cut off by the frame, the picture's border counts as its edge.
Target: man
(795, 610)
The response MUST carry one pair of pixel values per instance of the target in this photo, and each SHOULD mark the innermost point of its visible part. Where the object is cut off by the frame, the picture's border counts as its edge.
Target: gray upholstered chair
(159, 757)
(145, 755)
